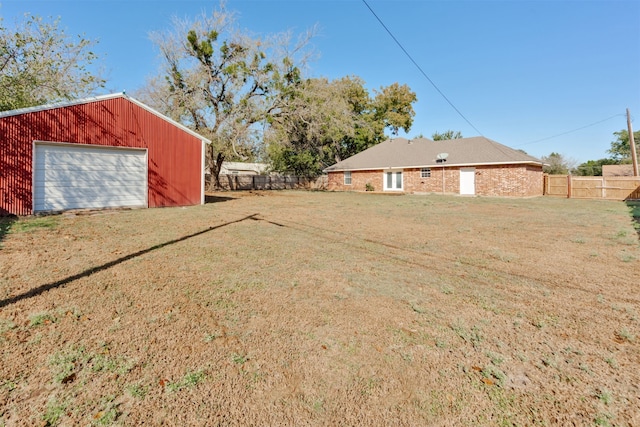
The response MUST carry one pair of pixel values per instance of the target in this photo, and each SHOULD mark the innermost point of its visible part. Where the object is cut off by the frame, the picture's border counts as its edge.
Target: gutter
(437, 165)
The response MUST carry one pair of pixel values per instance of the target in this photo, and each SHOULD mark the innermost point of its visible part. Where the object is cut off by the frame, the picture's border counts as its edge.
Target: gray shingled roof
(422, 152)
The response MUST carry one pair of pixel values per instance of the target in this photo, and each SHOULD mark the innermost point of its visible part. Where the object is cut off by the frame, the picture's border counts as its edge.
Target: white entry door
(75, 176)
(393, 180)
(468, 181)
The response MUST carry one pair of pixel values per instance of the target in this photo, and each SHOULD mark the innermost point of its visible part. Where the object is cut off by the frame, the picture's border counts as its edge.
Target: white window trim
(347, 175)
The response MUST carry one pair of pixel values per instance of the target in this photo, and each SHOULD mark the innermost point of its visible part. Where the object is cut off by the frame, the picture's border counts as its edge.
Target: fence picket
(238, 182)
(593, 187)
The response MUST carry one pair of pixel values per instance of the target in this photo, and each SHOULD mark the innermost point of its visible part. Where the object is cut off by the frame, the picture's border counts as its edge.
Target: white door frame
(468, 181)
(396, 180)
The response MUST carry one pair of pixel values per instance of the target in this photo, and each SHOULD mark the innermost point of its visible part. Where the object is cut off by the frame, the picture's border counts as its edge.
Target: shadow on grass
(216, 199)
(634, 211)
(5, 225)
(53, 285)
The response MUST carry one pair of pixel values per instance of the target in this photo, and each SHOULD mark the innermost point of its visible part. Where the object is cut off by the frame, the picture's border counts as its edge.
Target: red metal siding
(174, 156)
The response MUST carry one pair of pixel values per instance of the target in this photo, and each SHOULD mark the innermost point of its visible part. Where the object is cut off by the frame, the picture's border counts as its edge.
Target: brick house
(467, 166)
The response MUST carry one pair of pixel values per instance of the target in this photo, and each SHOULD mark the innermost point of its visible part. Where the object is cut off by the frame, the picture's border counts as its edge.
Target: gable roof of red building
(55, 105)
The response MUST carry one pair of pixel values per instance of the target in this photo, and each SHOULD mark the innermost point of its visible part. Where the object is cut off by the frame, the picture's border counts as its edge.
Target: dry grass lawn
(294, 308)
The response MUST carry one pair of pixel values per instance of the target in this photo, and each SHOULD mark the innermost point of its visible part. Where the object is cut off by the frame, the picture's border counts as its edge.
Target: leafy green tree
(393, 106)
(307, 137)
(333, 120)
(391, 109)
(592, 167)
(447, 135)
(621, 149)
(223, 83)
(557, 164)
(40, 63)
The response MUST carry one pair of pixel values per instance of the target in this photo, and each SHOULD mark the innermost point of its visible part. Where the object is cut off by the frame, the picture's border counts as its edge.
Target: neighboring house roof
(422, 152)
(617, 170)
(96, 99)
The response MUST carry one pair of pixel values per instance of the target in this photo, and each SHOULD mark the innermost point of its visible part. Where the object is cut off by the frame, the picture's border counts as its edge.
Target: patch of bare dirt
(294, 308)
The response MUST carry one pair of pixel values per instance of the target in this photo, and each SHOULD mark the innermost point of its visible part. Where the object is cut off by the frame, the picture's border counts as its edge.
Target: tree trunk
(216, 167)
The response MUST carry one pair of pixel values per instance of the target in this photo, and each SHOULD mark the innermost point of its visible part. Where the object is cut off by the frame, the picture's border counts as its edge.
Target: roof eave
(89, 100)
(436, 165)
(61, 104)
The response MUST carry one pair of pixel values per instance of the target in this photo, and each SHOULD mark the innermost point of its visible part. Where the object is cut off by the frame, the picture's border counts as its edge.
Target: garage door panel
(105, 185)
(92, 201)
(87, 163)
(87, 177)
(67, 151)
(85, 203)
(84, 191)
(80, 163)
(74, 177)
(89, 200)
(88, 167)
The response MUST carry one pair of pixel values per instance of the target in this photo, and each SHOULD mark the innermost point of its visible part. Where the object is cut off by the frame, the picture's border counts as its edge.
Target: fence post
(568, 186)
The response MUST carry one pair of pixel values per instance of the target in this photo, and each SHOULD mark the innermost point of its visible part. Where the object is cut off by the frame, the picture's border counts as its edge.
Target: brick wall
(509, 180)
(359, 180)
(504, 180)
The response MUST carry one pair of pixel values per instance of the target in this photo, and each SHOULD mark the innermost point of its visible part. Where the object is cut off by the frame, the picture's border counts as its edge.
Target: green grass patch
(44, 318)
(139, 391)
(53, 412)
(65, 364)
(191, 379)
(24, 225)
(114, 364)
(6, 325)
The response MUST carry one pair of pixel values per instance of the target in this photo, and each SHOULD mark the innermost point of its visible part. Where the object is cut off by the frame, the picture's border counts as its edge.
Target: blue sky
(521, 72)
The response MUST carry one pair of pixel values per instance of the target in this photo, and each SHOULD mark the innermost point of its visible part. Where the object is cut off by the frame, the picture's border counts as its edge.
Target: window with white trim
(425, 173)
(347, 178)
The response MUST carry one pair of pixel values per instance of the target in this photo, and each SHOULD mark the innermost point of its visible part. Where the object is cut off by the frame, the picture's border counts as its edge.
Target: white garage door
(71, 176)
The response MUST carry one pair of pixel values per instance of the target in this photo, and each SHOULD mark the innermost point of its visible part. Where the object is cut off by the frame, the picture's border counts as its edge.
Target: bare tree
(558, 164)
(224, 83)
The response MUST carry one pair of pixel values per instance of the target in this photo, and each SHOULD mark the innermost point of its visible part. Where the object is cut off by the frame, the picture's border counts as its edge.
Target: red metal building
(107, 151)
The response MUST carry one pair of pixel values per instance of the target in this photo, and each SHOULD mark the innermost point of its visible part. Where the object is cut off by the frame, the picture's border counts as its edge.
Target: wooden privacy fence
(271, 182)
(593, 187)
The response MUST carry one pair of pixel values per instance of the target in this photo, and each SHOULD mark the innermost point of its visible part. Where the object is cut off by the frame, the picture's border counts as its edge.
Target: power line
(569, 131)
(420, 69)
